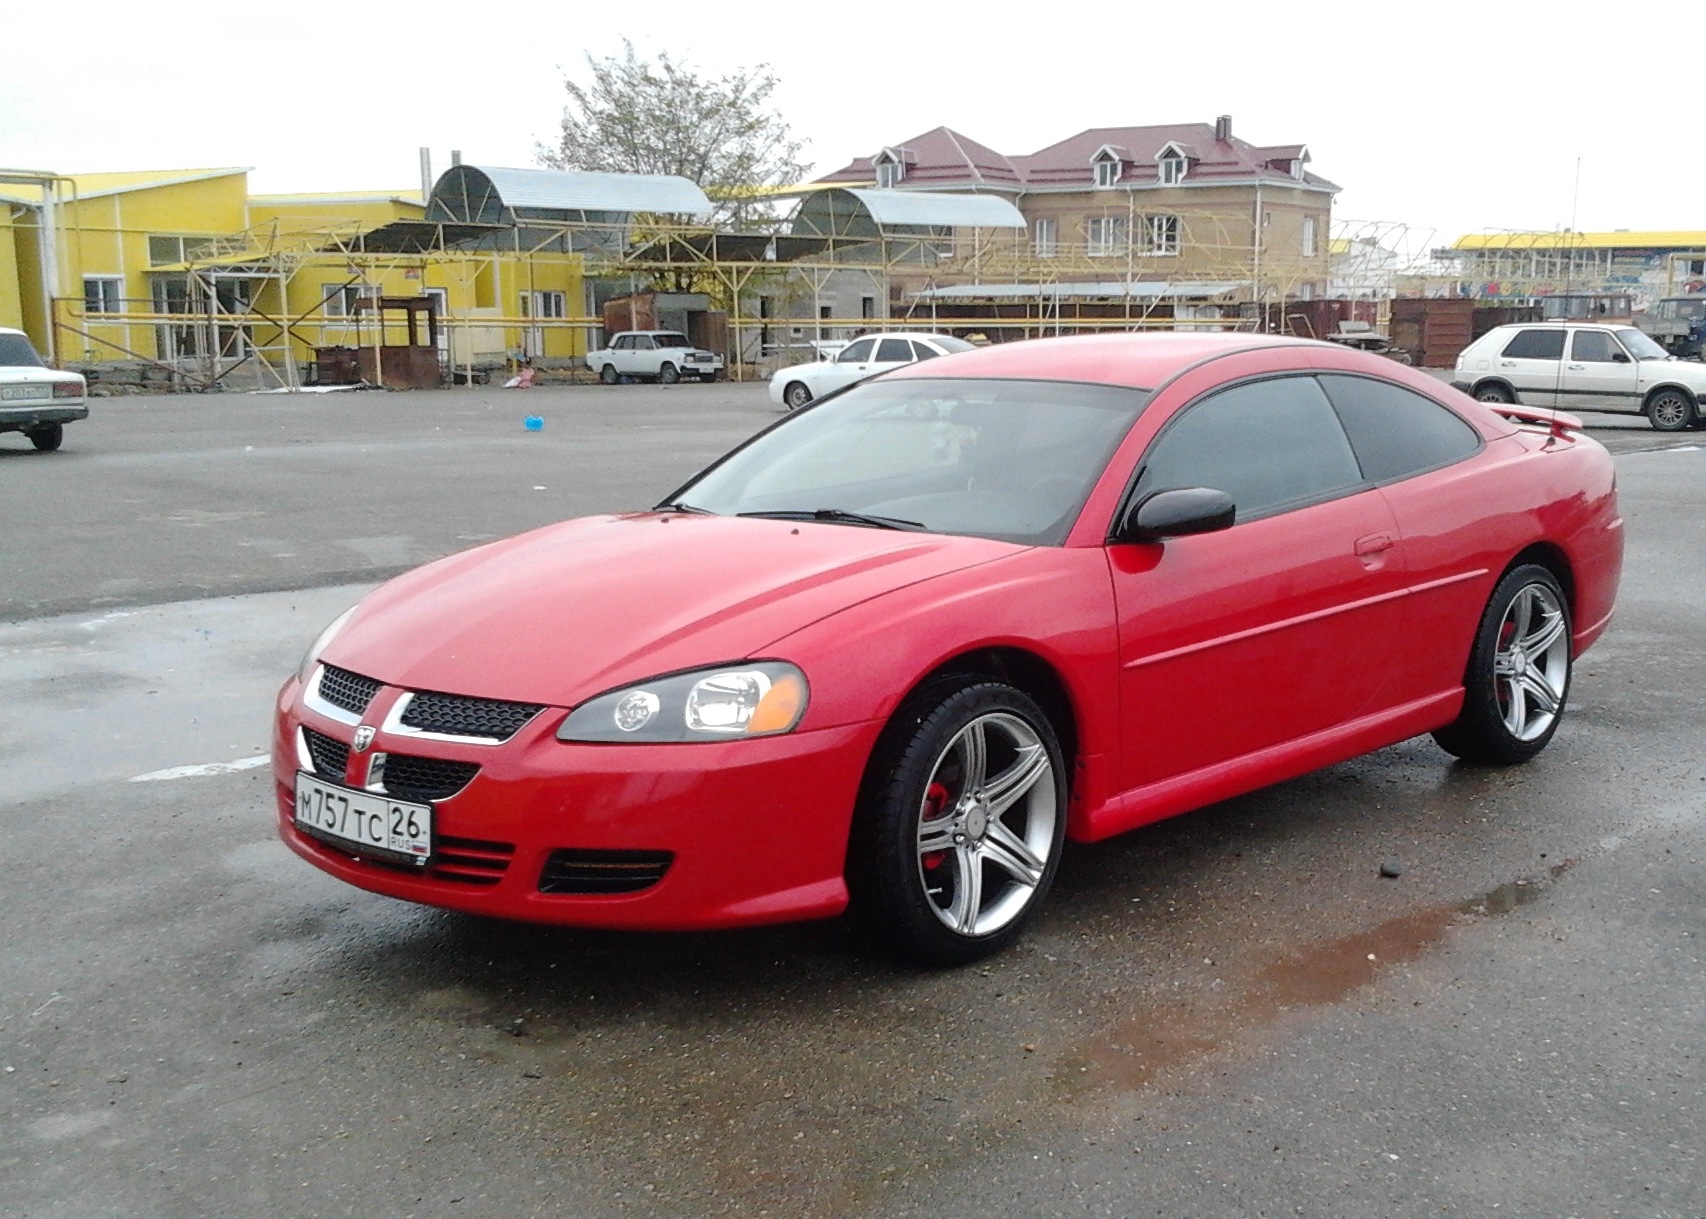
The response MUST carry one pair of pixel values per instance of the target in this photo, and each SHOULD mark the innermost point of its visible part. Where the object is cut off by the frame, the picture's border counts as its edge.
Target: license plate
(16, 393)
(365, 823)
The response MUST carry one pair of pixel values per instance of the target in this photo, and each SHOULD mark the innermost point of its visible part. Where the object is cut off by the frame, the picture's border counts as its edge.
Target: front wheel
(46, 436)
(1518, 675)
(1671, 410)
(608, 374)
(796, 395)
(1494, 393)
(960, 825)
(669, 374)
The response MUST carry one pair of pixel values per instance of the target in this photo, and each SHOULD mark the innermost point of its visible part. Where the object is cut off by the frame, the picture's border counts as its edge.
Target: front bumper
(753, 831)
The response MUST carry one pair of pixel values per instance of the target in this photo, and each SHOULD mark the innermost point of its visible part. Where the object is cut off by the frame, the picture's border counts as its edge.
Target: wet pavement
(1232, 1013)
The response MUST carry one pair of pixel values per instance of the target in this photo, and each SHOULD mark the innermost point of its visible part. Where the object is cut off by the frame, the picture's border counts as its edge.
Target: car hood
(565, 612)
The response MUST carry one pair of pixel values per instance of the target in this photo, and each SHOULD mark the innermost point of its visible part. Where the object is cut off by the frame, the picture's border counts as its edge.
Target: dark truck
(1678, 324)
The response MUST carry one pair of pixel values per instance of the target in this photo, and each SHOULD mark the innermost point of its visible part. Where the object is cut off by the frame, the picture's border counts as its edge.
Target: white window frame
(1161, 235)
(1310, 238)
(1045, 236)
(1104, 236)
(891, 170)
(1107, 173)
(1171, 169)
(109, 295)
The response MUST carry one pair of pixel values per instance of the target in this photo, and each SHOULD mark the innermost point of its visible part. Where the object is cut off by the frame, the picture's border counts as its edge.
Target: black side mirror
(1617, 357)
(1175, 514)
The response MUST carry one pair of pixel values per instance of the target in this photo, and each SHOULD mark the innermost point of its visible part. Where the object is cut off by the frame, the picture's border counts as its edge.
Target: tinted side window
(624, 342)
(921, 351)
(1397, 432)
(857, 353)
(1535, 345)
(1270, 445)
(895, 351)
(1594, 346)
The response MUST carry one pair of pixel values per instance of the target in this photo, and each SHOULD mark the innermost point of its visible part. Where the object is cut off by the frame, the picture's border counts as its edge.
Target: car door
(639, 358)
(1532, 361)
(1241, 640)
(852, 363)
(1600, 373)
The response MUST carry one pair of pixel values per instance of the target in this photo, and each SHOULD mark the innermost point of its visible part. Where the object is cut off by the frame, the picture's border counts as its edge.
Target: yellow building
(183, 273)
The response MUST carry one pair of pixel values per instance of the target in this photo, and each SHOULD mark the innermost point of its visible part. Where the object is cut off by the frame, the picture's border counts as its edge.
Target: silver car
(1583, 366)
(864, 357)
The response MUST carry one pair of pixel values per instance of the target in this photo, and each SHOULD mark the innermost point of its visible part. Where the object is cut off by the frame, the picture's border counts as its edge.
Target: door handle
(1374, 543)
(1576, 367)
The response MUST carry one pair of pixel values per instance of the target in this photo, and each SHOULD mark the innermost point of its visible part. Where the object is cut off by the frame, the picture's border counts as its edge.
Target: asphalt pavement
(1232, 1013)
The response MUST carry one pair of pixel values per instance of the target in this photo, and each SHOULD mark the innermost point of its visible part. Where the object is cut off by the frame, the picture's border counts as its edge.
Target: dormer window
(891, 168)
(1171, 165)
(1107, 165)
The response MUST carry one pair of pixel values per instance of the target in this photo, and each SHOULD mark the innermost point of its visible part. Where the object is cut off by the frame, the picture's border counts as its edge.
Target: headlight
(325, 637)
(762, 698)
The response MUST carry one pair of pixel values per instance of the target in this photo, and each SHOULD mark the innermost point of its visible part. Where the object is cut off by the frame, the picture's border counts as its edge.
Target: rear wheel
(1494, 392)
(1518, 675)
(608, 374)
(796, 395)
(46, 436)
(669, 374)
(960, 825)
(1671, 410)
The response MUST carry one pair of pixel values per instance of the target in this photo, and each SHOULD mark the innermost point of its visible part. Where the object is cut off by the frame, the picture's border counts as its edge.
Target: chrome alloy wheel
(1532, 664)
(986, 824)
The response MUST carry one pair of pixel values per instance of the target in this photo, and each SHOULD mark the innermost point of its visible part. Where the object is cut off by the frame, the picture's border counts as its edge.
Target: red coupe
(889, 653)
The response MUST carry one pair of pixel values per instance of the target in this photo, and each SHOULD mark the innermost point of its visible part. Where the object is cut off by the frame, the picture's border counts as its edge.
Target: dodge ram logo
(363, 737)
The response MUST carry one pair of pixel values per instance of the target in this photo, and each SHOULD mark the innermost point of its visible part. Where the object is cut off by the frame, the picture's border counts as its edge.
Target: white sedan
(34, 399)
(863, 357)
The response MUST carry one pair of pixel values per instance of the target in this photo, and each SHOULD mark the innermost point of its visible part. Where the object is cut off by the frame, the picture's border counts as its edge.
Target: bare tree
(640, 116)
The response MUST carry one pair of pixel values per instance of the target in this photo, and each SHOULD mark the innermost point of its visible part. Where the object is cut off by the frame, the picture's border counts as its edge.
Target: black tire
(705, 378)
(1494, 392)
(796, 395)
(47, 437)
(609, 375)
(1512, 706)
(1671, 410)
(937, 876)
(669, 374)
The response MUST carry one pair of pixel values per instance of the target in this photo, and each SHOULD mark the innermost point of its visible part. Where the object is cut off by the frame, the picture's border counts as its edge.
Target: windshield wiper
(681, 505)
(837, 516)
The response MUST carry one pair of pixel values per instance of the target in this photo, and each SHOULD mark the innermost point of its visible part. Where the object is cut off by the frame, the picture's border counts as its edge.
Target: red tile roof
(944, 158)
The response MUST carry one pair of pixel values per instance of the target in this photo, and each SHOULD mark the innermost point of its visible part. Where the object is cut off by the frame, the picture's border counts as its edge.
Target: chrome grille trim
(317, 702)
(428, 710)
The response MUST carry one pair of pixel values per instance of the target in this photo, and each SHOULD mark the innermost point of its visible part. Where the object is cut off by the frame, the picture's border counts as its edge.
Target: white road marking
(211, 768)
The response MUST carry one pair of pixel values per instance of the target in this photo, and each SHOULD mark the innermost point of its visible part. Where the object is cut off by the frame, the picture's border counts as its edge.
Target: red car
(889, 653)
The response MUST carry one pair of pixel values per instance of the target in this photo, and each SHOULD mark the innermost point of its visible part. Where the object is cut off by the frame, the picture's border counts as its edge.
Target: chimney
(456, 156)
(426, 174)
(1223, 128)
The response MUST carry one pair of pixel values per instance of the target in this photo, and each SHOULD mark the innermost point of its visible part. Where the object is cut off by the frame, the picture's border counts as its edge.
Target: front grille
(576, 871)
(412, 778)
(456, 715)
(331, 758)
(470, 861)
(351, 691)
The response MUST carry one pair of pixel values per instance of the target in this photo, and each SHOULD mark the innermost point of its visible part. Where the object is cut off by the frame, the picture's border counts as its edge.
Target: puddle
(1132, 1053)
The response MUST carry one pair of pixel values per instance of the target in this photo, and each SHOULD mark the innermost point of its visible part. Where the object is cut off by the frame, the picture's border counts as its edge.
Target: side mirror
(1618, 357)
(1176, 514)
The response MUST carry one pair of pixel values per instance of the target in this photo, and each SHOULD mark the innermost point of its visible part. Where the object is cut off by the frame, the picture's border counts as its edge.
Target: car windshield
(16, 352)
(1640, 345)
(670, 338)
(1010, 460)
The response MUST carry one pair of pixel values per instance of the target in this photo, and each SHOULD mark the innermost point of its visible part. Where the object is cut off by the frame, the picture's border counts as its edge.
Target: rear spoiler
(1558, 423)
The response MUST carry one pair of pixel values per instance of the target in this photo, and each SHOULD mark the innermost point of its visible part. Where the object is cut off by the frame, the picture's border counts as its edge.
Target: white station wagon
(34, 399)
(1583, 366)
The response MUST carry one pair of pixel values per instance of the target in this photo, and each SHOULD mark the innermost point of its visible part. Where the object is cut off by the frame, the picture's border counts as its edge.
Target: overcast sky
(1437, 119)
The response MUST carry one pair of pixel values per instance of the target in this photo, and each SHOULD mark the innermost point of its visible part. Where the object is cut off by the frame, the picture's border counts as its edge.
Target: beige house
(1182, 221)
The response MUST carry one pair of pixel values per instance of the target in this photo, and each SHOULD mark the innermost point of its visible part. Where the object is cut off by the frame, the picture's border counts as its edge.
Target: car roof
(1144, 360)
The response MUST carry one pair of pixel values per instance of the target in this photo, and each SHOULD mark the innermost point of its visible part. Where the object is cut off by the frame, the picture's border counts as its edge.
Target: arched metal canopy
(854, 212)
(477, 194)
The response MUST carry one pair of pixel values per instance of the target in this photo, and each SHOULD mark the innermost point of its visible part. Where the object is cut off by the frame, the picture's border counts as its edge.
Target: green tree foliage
(662, 117)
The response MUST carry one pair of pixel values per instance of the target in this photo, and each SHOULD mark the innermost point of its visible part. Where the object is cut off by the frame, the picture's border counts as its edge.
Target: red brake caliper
(935, 802)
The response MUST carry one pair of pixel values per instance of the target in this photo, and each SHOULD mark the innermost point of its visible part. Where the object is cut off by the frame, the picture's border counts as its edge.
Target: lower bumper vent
(572, 871)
